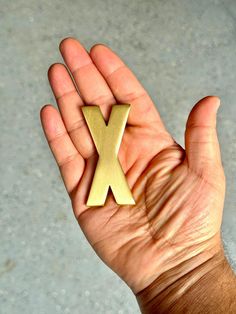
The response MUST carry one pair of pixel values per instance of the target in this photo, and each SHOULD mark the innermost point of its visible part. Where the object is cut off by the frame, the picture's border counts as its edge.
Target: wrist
(187, 285)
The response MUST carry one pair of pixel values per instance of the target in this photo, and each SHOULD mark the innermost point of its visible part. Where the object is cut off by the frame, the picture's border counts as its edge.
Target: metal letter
(107, 139)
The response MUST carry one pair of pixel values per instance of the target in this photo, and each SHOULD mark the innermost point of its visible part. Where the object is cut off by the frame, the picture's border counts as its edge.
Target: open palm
(179, 193)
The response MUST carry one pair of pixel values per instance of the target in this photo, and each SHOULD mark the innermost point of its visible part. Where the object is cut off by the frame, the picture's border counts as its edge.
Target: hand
(179, 193)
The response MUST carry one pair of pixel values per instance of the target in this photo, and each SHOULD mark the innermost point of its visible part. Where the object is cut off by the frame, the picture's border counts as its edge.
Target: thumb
(201, 142)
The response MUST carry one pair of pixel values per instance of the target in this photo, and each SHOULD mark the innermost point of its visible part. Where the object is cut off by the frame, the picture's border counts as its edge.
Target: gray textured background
(180, 50)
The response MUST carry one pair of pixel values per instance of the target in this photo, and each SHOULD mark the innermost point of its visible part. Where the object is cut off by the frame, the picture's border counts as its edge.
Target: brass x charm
(107, 139)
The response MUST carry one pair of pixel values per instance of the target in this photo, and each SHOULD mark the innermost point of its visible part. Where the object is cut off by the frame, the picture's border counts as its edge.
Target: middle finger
(91, 85)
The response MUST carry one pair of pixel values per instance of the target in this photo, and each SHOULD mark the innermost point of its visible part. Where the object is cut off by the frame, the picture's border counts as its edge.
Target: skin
(174, 227)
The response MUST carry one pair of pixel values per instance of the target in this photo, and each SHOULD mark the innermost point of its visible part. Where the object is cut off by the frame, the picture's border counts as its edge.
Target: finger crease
(76, 126)
(80, 68)
(57, 137)
(103, 99)
(67, 94)
(107, 77)
(131, 97)
(196, 126)
(67, 160)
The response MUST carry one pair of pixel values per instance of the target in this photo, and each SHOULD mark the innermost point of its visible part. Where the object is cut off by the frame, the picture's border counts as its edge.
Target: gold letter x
(107, 139)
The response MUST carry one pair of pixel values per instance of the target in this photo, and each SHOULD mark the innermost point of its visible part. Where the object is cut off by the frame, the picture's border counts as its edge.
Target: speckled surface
(180, 50)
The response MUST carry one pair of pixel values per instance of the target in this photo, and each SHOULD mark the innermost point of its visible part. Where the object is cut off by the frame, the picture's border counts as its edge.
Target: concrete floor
(180, 50)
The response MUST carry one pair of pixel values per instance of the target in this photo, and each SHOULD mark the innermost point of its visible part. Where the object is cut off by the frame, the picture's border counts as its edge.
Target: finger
(70, 162)
(125, 87)
(202, 146)
(91, 84)
(69, 103)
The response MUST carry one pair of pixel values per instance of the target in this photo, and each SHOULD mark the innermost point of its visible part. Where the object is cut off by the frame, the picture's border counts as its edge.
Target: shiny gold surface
(107, 139)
